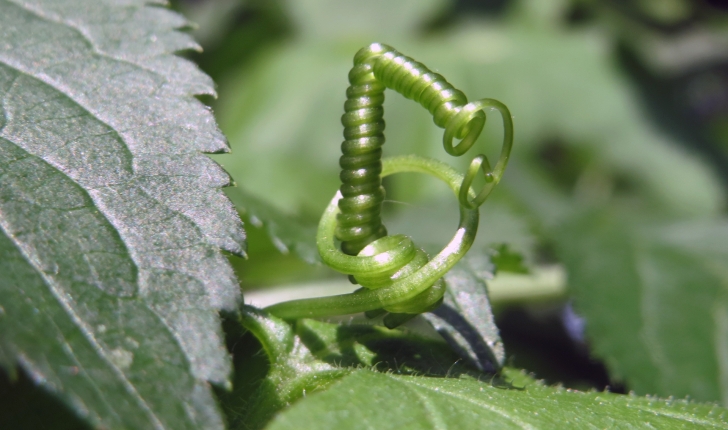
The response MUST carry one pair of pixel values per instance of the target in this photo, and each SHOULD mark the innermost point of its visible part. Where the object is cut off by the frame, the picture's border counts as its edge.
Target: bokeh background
(613, 208)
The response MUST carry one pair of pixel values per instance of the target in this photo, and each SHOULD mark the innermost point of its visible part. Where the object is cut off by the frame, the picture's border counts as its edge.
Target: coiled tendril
(396, 276)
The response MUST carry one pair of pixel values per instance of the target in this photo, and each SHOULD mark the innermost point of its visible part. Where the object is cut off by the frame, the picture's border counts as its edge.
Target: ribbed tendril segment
(359, 222)
(416, 82)
(377, 67)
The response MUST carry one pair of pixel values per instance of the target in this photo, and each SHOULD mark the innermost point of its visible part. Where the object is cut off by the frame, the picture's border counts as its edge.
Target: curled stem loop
(396, 276)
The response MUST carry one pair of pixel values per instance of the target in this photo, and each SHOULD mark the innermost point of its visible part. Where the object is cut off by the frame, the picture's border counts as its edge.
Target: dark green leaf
(465, 319)
(654, 301)
(374, 346)
(21, 399)
(111, 219)
(399, 396)
(366, 400)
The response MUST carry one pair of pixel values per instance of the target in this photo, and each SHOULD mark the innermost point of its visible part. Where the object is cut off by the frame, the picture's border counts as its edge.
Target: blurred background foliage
(618, 176)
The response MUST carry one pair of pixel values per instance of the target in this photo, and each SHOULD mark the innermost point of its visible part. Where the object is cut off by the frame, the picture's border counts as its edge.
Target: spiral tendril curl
(396, 276)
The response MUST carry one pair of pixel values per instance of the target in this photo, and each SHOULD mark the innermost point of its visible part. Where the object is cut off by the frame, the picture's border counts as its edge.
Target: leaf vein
(491, 408)
(87, 38)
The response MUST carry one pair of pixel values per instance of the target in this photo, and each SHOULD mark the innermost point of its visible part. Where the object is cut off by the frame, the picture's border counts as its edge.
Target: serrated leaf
(366, 399)
(111, 219)
(655, 305)
(401, 397)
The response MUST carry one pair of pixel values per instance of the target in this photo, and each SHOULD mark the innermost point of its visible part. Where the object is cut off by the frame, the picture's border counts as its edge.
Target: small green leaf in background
(111, 218)
(506, 260)
(366, 399)
(312, 18)
(281, 247)
(655, 300)
(287, 234)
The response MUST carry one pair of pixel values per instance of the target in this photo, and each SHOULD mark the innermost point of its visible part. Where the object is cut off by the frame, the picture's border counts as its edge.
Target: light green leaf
(276, 120)
(366, 400)
(111, 219)
(564, 85)
(654, 299)
(432, 223)
(560, 85)
(332, 19)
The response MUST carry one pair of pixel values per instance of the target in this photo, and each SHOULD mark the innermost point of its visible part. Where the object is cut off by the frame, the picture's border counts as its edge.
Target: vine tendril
(395, 275)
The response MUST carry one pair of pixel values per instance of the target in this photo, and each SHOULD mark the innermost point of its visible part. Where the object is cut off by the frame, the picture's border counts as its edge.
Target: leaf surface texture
(111, 218)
